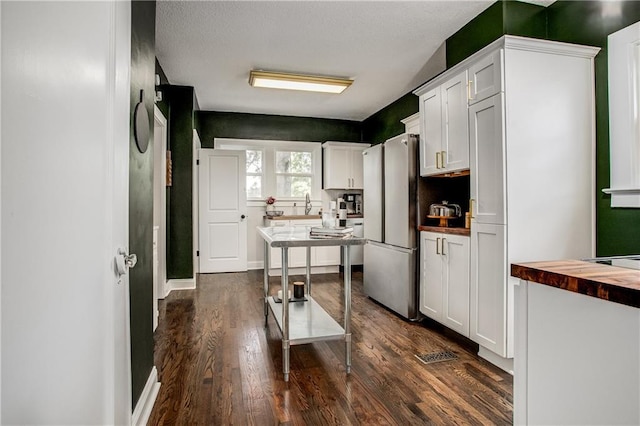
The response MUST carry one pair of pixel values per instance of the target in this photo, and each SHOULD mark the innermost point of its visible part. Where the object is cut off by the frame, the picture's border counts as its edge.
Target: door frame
(197, 147)
(160, 185)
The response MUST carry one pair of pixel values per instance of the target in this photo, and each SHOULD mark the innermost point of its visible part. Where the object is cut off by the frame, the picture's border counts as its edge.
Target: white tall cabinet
(530, 111)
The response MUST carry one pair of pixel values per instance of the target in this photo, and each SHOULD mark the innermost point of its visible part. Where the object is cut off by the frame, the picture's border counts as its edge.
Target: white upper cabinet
(342, 165)
(624, 122)
(444, 135)
(485, 77)
(412, 124)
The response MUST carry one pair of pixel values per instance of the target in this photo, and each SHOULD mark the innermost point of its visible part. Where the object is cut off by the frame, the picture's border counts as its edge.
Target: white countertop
(298, 236)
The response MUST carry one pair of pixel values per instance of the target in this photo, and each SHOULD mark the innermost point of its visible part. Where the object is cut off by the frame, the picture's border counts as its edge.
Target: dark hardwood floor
(219, 365)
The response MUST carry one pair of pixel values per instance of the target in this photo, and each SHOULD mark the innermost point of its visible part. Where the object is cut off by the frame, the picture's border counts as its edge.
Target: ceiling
(388, 47)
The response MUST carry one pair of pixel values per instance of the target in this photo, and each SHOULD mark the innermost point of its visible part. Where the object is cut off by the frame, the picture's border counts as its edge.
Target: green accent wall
(502, 17)
(590, 22)
(386, 123)
(211, 124)
(180, 100)
(143, 30)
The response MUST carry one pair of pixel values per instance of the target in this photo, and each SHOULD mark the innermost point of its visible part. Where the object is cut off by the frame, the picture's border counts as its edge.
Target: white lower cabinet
(489, 299)
(444, 279)
(320, 256)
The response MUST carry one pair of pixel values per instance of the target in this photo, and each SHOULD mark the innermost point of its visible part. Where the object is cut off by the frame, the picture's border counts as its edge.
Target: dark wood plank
(219, 364)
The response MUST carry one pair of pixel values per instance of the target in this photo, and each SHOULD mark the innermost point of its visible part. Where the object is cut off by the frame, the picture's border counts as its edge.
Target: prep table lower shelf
(308, 322)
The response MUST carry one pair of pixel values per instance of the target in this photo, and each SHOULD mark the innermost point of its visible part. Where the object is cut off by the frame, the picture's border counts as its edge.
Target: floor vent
(437, 357)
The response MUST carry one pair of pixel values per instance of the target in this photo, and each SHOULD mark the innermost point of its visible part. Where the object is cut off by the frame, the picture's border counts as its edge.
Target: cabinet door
(325, 256)
(486, 133)
(455, 141)
(488, 298)
(357, 179)
(431, 275)
(485, 77)
(455, 256)
(430, 132)
(337, 167)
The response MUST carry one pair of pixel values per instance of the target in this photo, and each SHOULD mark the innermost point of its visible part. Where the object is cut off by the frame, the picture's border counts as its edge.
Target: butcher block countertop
(445, 230)
(612, 283)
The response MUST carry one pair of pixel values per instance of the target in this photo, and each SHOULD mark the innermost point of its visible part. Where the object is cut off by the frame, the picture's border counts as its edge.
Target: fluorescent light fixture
(311, 83)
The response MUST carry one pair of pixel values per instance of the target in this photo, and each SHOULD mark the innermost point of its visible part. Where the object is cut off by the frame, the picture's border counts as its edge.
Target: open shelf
(308, 322)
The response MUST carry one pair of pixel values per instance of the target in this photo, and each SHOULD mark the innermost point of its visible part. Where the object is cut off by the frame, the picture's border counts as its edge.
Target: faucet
(307, 204)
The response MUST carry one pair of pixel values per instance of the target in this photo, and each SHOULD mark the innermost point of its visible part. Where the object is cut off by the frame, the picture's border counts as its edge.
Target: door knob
(124, 261)
(242, 217)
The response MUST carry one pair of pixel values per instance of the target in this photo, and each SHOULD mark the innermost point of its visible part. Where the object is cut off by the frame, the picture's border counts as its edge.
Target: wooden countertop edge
(612, 283)
(443, 230)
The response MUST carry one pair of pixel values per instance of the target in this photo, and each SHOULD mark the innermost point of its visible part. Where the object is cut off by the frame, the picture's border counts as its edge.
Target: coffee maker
(354, 203)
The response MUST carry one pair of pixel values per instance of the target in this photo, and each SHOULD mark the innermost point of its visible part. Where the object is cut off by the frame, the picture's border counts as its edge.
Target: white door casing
(66, 173)
(160, 201)
(223, 224)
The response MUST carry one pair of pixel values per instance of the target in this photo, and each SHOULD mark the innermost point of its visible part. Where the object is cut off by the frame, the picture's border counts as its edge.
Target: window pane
(293, 186)
(293, 162)
(254, 161)
(254, 186)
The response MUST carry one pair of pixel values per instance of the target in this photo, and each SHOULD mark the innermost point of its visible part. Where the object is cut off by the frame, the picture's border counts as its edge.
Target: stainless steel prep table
(309, 321)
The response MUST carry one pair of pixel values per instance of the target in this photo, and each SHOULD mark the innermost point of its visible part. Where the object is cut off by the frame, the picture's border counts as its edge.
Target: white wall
(59, 124)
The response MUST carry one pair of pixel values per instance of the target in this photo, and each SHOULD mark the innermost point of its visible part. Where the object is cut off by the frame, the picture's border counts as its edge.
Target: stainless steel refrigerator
(390, 205)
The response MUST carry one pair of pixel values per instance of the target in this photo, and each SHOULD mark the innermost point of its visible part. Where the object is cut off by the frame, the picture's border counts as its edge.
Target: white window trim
(268, 148)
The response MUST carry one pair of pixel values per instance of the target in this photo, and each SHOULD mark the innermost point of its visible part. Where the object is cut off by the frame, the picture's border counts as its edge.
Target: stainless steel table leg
(285, 313)
(265, 280)
(347, 305)
(308, 277)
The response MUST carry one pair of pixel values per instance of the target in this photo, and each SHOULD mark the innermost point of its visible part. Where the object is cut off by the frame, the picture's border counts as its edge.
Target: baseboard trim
(505, 364)
(179, 284)
(147, 399)
(255, 264)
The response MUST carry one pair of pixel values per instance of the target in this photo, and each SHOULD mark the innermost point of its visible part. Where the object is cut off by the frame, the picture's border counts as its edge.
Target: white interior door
(65, 322)
(223, 200)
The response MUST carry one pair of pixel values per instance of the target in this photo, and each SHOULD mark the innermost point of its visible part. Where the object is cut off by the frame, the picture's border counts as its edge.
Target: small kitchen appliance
(354, 203)
(444, 212)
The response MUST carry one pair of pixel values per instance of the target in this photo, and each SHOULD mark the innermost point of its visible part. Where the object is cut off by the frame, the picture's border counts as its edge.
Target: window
(283, 169)
(294, 173)
(254, 173)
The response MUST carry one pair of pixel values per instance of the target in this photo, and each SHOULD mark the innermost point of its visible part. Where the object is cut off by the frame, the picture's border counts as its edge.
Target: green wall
(386, 123)
(590, 22)
(180, 101)
(502, 17)
(143, 32)
(212, 124)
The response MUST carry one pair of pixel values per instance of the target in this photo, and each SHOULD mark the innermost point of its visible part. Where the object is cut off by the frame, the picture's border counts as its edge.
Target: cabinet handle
(469, 97)
(437, 160)
(438, 245)
(471, 200)
(443, 159)
(442, 248)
